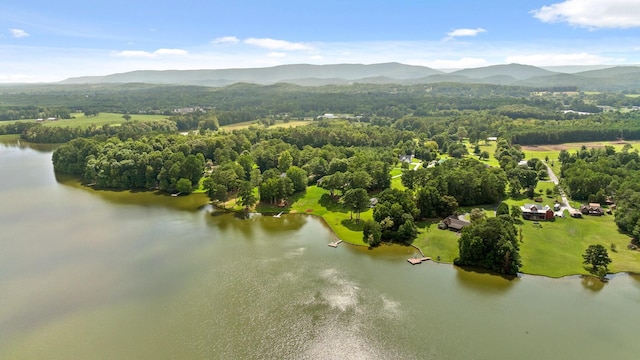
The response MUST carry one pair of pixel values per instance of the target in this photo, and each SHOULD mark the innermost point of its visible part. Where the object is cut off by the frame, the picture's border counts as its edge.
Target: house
(405, 158)
(592, 209)
(453, 223)
(536, 212)
(575, 213)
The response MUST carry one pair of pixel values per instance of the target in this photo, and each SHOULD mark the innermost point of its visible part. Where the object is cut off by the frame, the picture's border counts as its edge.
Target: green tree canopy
(491, 244)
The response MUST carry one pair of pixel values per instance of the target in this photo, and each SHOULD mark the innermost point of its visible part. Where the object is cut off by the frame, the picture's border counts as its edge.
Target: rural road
(565, 201)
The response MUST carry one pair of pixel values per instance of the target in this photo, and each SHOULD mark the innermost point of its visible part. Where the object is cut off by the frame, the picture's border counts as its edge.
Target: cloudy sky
(44, 40)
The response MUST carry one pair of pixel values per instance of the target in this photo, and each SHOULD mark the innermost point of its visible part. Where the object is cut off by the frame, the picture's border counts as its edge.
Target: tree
(596, 256)
(126, 116)
(245, 193)
(477, 215)
(516, 212)
(503, 209)
(491, 244)
(184, 185)
(372, 233)
(298, 177)
(484, 155)
(356, 200)
(219, 192)
(285, 160)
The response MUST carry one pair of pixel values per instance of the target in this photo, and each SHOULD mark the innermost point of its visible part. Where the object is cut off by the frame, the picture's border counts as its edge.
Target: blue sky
(53, 40)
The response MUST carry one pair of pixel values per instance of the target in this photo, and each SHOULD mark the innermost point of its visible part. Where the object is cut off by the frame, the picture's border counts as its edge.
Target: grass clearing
(278, 124)
(79, 120)
(9, 137)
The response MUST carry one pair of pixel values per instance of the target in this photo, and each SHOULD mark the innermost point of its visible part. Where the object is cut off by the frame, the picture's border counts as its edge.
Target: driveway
(564, 204)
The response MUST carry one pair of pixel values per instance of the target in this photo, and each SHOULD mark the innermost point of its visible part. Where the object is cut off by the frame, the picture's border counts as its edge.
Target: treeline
(49, 134)
(33, 112)
(601, 174)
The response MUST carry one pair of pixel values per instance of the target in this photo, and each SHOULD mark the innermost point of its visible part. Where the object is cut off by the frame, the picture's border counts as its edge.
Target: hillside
(621, 78)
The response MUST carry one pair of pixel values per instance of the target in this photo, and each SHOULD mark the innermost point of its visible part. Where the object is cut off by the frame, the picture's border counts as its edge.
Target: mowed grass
(317, 201)
(79, 120)
(278, 124)
(9, 137)
(552, 151)
(552, 249)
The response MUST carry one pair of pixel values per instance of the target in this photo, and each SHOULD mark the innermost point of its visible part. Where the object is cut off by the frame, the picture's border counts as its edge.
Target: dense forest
(352, 156)
(521, 115)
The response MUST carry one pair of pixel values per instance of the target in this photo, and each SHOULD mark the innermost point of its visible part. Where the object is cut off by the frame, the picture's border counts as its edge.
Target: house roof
(455, 223)
(535, 208)
(594, 205)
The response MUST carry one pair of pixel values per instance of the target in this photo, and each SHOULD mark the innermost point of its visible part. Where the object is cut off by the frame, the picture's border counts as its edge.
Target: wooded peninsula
(466, 172)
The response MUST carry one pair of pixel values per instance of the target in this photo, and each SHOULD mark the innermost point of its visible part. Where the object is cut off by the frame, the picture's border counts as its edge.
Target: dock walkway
(415, 261)
(335, 243)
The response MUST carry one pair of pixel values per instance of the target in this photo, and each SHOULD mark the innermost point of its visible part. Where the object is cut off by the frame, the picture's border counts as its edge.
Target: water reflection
(592, 283)
(478, 281)
(21, 144)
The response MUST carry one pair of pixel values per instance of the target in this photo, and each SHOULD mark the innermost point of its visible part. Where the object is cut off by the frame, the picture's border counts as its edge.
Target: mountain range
(599, 78)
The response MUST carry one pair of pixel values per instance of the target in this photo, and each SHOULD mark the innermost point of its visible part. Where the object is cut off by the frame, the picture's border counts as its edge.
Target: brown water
(90, 274)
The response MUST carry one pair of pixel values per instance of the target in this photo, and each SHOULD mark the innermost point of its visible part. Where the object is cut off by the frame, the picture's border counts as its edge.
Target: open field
(79, 120)
(278, 124)
(552, 249)
(10, 137)
(552, 151)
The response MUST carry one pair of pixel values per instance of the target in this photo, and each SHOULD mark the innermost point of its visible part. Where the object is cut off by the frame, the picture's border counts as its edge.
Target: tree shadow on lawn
(331, 204)
(274, 208)
(353, 225)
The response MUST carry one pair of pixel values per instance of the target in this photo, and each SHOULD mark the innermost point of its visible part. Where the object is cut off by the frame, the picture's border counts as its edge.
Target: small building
(575, 213)
(373, 202)
(453, 223)
(592, 209)
(556, 207)
(405, 158)
(536, 212)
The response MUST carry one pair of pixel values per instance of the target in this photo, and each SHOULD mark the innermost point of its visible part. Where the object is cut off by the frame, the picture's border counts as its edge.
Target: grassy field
(10, 137)
(317, 201)
(79, 120)
(552, 151)
(278, 124)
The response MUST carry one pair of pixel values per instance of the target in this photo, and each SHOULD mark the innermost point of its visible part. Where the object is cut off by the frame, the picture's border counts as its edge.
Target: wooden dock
(415, 261)
(335, 243)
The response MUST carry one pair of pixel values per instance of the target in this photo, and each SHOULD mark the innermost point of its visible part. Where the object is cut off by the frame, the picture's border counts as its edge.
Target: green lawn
(278, 124)
(552, 249)
(552, 151)
(79, 120)
(10, 137)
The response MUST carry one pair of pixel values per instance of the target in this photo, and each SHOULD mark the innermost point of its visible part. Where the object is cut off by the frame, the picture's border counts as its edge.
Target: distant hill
(595, 78)
(517, 71)
(264, 76)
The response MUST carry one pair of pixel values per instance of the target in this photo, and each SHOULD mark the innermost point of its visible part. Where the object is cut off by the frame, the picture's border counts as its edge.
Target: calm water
(87, 274)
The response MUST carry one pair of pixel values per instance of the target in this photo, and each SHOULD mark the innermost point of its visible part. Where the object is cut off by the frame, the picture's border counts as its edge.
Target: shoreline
(519, 275)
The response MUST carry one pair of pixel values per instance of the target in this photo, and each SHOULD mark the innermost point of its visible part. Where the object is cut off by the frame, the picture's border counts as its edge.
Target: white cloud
(18, 33)
(225, 40)
(592, 13)
(276, 54)
(464, 32)
(170, 52)
(557, 59)
(273, 44)
(146, 54)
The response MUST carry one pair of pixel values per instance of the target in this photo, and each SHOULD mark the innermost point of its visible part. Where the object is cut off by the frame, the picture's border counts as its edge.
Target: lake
(88, 274)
